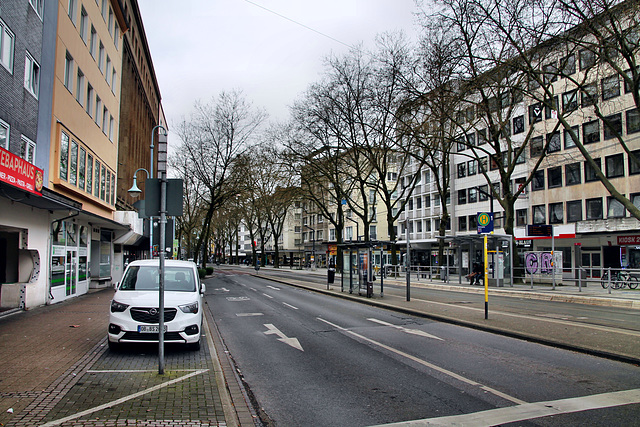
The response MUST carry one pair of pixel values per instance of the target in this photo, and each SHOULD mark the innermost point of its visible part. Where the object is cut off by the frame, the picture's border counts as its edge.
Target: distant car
(134, 314)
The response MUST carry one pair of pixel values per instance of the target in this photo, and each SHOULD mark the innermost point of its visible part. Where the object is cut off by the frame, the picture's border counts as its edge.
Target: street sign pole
(486, 279)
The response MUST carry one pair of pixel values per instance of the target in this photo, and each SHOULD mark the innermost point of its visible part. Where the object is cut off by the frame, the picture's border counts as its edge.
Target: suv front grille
(151, 314)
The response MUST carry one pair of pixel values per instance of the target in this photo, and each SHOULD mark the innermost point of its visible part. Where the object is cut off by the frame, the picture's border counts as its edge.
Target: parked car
(134, 314)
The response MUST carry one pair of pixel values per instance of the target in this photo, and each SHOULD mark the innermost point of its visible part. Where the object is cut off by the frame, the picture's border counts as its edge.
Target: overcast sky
(202, 47)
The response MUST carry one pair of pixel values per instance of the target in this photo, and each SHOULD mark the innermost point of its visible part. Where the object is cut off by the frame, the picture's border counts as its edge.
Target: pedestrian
(477, 272)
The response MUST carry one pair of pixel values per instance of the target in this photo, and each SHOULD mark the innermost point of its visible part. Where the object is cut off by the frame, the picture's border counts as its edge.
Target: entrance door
(71, 273)
(611, 256)
(592, 263)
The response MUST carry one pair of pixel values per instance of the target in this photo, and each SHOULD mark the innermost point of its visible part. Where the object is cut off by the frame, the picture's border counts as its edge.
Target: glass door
(71, 273)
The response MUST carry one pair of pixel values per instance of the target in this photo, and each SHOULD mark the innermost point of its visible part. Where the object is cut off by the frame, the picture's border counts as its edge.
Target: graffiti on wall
(541, 264)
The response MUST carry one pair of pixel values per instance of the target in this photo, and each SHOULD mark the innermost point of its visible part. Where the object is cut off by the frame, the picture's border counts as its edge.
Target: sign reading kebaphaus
(18, 172)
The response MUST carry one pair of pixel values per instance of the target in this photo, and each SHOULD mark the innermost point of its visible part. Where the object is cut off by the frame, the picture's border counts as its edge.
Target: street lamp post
(151, 147)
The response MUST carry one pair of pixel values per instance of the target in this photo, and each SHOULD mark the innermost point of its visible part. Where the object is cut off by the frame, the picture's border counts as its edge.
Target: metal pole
(486, 279)
(161, 245)
(408, 272)
(553, 258)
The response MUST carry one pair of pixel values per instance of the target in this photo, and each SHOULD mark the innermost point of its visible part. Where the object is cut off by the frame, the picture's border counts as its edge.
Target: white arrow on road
(408, 331)
(222, 289)
(293, 342)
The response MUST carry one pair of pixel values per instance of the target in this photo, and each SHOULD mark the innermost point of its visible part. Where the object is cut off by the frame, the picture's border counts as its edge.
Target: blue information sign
(485, 222)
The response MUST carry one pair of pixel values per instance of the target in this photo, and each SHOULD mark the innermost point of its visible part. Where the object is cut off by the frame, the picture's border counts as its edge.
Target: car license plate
(150, 329)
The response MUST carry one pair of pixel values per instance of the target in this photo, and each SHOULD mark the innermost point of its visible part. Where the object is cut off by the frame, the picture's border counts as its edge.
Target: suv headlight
(189, 308)
(118, 307)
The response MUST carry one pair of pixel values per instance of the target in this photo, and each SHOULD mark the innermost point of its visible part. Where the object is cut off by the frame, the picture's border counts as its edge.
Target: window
(615, 209)
(572, 174)
(591, 132)
(594, 208)
(73, 9)
(462, 223)
(472, 168)
(554, 176)
(568, 65)
(484, 193)
(107, 71)
(107, 190)
(68, 72)
(550, 73)
(96, 180)
(37, 5)
(373, 232)
(105, 118)
(482, 136)
(554, 142)
(473, 195)
(89, 174)
(518, 125)
(610, 87)
(89, 102)
(31, 75)
(614, 165)
(536, 146)
(589, 95)
(73, 162)
(101, 58)
(418, 202)
(521, 217)
(635, 199)
(27, 149)
(113, 80)
(82, 165)
(84, 24)
(570, 101)
(93, 42)
(539, 216)
(462, 197)
(473, 222)
(634, 165)
(483, 164)
(7, 42)
(633, 121)
(461, 146)
(110, 21)
(612, 126)
(551, 106)
(98, 110)
(64, 156)
(348, 233)
(556, 213)
(535, 113)
(103, 184)
(103, 9)
(332, 234)
(116, 34)
(4, 135)
(111, 123)
(569, 140)
(587, 59)
(537, 183)
(462, 170)
(574, 211)
(80, 87)
(589, 172)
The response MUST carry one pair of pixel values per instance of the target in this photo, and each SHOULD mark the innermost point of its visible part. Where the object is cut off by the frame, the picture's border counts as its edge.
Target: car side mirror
(203, 288)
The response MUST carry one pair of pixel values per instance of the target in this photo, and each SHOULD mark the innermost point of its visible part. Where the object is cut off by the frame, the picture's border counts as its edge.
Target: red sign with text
(628, 240)
(18, 172)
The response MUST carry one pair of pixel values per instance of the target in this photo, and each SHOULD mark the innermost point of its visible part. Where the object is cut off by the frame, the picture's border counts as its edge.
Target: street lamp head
(134, 191)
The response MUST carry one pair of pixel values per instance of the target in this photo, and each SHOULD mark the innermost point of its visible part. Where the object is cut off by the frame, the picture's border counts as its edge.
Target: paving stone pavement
(56, 370)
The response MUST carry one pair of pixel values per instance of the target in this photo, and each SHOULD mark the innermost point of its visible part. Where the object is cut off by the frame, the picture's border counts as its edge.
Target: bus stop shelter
(358, 270)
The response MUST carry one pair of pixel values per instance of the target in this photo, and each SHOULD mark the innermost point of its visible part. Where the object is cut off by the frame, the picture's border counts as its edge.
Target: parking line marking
(123, 399)
(428, 365)
(529, 411)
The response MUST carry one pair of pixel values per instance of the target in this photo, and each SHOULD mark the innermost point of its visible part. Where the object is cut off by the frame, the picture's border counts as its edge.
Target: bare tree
(213, 138)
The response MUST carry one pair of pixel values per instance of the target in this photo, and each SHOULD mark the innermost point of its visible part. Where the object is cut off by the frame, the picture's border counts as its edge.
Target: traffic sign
(485, 222)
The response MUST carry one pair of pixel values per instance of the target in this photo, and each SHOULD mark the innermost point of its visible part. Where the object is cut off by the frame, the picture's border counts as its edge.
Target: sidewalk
(56, 370)
(574, 333)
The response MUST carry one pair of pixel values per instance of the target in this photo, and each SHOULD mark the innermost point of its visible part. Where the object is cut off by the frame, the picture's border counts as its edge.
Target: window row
(27, 147)
(614, 168)
(470, 223)
(83, 28)
(80, 168)
(578, 210)
(514, 126)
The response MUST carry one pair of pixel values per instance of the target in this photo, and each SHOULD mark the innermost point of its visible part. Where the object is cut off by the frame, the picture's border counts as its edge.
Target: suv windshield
(143, 278)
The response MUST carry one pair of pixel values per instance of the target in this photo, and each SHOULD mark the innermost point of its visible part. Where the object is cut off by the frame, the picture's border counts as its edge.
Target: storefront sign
(18, 172)
(629, 240)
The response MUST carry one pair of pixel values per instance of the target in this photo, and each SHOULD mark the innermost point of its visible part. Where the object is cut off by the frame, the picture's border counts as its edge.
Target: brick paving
(56, 370)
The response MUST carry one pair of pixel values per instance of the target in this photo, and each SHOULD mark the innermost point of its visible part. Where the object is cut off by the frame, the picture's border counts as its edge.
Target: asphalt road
(311, 359)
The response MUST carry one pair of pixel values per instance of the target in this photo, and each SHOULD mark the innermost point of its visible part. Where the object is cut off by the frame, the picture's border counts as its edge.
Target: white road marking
(238, 298)
(406, 330)
(293, 342)
(222, 289)
(248, 314)
(428, 365)
(123, 399)
(290, 306)
(273, 287)
(267, 295)
(128, 371)
(529, 411)
(544, 319)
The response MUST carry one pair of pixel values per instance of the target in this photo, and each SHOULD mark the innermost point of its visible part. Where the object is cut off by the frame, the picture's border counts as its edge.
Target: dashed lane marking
(428, 364)
(290, 306)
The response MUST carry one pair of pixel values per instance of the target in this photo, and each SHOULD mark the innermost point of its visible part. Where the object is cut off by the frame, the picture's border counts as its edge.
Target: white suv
(134, 309)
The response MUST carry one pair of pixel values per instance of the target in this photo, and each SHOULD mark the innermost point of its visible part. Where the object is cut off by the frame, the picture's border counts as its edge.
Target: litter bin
(331, 275)
(369, 289)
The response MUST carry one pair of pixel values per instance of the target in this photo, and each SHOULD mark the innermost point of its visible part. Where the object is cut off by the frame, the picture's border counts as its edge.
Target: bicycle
(619, 280)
